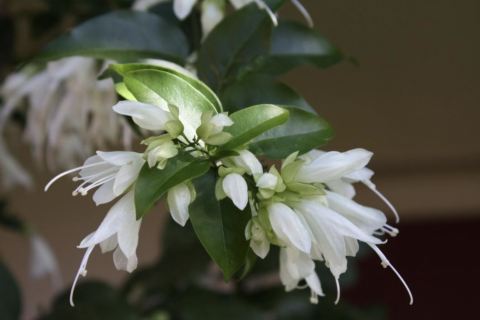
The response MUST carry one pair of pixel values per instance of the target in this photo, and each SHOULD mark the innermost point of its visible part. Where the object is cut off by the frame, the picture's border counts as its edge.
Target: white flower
(178, 199)
(210, 130)
(296, 266)
(161, 154)
(213, 12)
(146, 116)
(288, 227)
(333, 165)
(235, 187)
(246, 161)
(259, 242)
(118, 230)
(182, 8)
(113, 172)
(43, 261)
(12, 173)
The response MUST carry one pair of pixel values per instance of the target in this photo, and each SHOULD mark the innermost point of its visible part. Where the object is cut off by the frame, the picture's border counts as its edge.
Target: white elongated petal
(123, 263)
(267, 181)
(112, 222)
(147, 116)
(342, 187)
(120, 158)
(314, 283)
(109, 244)
(105, 193)
(221, 120)
(143, 5)
(178, 199)
(288, 227)
(127, 175)
(351, 246)
(182, 8)
(128, 234)
(248, 162)
(261, 249)
(367, 219)
(12, 172)
(43, 261)
(311, 155)
(362, 174)
(212, 14)
(237, 4)
(286, 278)
(94, 166)
(236, 189)
(333, 165)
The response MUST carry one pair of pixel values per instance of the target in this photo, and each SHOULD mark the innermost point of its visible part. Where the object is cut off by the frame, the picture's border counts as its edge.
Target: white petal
(333, 165)
(248, 162)
(342, 187)
(127, 175)
(351, 246)
(260, 249)
(178, 199)
(112, 222)
(212, 14)
(267, 181)
(122, 263)
(236, 189)
(109, 244)
(362, 174)
(128, 234)
(237, 4)
(119, 158)
(286, 278)
(105, 193)
(288, 227)
(147, 116)
(43, 261)
(311, 155)
(221, 120)
(314, 283)
(182, 8)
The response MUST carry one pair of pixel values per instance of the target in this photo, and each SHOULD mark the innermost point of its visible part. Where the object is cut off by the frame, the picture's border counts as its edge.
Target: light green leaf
(295, 44)
(252, 122)
(152, 183)
(219, 225)
(303, 132)
(123, 69)
(155, 87)
(236, 46)
(121, 35)
(260, 89)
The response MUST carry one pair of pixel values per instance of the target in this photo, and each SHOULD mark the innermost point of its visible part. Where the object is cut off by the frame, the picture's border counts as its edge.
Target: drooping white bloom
(12, 173)
(246, 161)
(178, 199)
(114, 172)
(145, 115)
(43, 261)
(118, 230)
(235, 187)
(289, 228)
(296, 266)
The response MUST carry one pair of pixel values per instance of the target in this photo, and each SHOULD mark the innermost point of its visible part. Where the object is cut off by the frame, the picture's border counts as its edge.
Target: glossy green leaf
(10, 297)
(219, 225)
(237, 45)
(121, 35)
(260, 89)
(295, 44)
(303, 132)
(155, 87)
(152, 183)
(123, 69)
(252, 122)
(250, 261)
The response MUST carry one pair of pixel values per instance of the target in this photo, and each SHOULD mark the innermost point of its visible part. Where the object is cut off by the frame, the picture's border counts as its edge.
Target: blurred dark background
(414, 101)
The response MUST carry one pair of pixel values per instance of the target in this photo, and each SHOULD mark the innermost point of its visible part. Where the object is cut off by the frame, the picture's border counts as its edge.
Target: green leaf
(155, 87)
(220, 226)
(224, 154)
(123, 69)
(252, 122)
(295, 44)
(249, 264)
(10, 296)
(260, 89)
(121, 35)
(236, 46)
(152, 183)
(303, 132)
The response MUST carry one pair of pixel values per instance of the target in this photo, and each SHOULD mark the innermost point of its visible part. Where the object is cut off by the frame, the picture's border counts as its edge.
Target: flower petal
(248, 162)
(119, 158)
(128, 234)
(123, 263)
(182, 8)
(221, 120)
(127, 175)
(236, 189)
(147, 116)
(105, 193)
(267, 181)
(109, 244)
(178, 199)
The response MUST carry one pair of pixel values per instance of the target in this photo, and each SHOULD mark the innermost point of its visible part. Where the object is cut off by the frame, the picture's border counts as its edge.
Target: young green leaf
(236, 46)
(156, 87)
(252, 122)
(152, 183)
(121, 35)
(303, 132)
(220, 226)
(260, 89)
(123, 69)
(295, 44)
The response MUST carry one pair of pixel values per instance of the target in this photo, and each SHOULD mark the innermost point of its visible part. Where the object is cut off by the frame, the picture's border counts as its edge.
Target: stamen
(99, 183)
(82, 271)
(386, 263)
(338, 290)
(263, 6)
(70, 171)
(393, 232)
(371, 186)
(93, 176)
(313, 297)
(304, 12)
